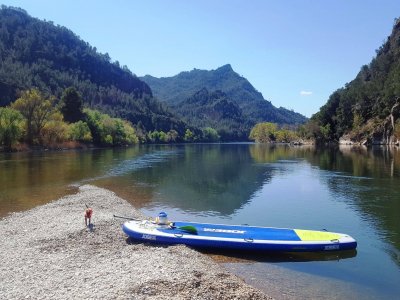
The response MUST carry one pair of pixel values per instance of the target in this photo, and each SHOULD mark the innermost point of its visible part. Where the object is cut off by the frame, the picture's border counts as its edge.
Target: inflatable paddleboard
(238, 236)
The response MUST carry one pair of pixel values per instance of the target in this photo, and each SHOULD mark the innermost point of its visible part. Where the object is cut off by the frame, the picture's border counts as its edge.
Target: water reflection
(354, 189)
(214, 178)
(377, 200)
(225, 256)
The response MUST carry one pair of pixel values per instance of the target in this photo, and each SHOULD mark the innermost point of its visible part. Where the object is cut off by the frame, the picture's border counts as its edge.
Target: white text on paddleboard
(149, 237)
(224, 230)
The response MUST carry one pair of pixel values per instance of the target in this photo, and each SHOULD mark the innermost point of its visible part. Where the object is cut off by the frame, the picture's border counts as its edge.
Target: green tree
(313, 130)
(55, 131)
(163, 137)
(210, 134)
(11, 127)
(130, 136)
(189, 136)
(325, 131)
(153, 136)
(263, 132)
(357, 121)
(80, 131)
(123, 133)
(109, 131)
(95, 124)
(72, 105)
(285, 136)
(36, 110)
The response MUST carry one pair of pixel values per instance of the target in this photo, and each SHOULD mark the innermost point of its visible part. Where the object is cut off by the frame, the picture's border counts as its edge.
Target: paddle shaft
(126, 218)
(189, 229)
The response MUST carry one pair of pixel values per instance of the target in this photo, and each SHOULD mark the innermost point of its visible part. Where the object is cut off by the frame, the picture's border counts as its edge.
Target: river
(350, 190)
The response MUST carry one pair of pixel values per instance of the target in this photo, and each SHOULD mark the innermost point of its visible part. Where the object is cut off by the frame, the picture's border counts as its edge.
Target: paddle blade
(188, 228)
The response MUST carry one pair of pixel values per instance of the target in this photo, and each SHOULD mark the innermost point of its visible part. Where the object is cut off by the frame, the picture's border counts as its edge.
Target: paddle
(126, 218)
(187, 228)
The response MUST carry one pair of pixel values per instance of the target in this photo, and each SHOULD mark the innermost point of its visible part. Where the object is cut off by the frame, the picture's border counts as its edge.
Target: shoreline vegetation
(48, 253)
(36, 121)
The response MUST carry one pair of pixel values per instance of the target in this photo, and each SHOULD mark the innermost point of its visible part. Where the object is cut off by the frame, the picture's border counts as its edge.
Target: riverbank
(48, 253)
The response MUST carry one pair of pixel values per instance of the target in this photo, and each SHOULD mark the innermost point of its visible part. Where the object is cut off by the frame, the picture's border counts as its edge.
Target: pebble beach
(48, 253)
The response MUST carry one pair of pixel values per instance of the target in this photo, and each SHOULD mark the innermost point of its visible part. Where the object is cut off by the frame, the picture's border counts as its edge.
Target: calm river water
(349, 190)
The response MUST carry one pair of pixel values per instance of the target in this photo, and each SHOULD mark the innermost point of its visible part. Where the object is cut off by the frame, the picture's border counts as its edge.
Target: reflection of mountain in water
(217, 178)
(368, 179)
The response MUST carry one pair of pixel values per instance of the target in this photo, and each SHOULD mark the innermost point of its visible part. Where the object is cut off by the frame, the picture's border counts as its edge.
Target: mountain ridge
(175, 89)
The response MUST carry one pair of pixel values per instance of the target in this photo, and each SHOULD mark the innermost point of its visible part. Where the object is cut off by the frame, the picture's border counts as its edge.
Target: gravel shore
(48, 253)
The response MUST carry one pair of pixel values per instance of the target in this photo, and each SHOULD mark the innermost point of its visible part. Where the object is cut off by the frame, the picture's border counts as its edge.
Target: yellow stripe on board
(311, 235)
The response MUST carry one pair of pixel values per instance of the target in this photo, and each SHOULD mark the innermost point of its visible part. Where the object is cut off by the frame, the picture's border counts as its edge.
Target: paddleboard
(238, 236)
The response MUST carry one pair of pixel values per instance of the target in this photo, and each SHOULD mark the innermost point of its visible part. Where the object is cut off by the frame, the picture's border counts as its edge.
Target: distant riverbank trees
(267, 132)
(36, 120)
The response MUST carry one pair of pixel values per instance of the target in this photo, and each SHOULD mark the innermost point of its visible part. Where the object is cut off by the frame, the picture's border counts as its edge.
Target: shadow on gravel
(132, 241)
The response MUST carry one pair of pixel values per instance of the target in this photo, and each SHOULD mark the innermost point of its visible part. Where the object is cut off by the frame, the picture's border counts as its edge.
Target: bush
(55, 131)
(110, 131)
(80, 131)
(11, 127)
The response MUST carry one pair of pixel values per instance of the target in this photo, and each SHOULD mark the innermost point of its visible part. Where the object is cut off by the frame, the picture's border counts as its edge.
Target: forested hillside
(366, 109)
(175, 90)
(215, 110)
(39, 54)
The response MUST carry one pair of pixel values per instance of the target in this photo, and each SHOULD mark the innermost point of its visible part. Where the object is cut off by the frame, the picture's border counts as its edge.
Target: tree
(263, 132)
(189, 136)
(110, 131)
(55, 131)
(130, 136)
(285, 136)
(80, 131)
(325, 131)
(210, 134)
(123, 133)
(11, 127)
(94, 121)
(36, 110)
(172, 136)
(72, 105)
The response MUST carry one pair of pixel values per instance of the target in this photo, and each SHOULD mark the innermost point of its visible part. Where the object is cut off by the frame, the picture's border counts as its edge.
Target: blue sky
(295, 52)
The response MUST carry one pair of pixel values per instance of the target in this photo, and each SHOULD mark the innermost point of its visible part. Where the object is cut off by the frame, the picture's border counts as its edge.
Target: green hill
(215, 110)
(175, 90)
(35, 53)
(366, 110)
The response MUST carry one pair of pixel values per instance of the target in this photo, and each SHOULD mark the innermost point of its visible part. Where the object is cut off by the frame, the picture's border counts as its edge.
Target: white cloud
(305, 93)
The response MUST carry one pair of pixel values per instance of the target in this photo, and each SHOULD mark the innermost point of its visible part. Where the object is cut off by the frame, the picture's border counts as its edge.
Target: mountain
(367, 108)
(215, 110)
(35, 53)
(175, 90)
